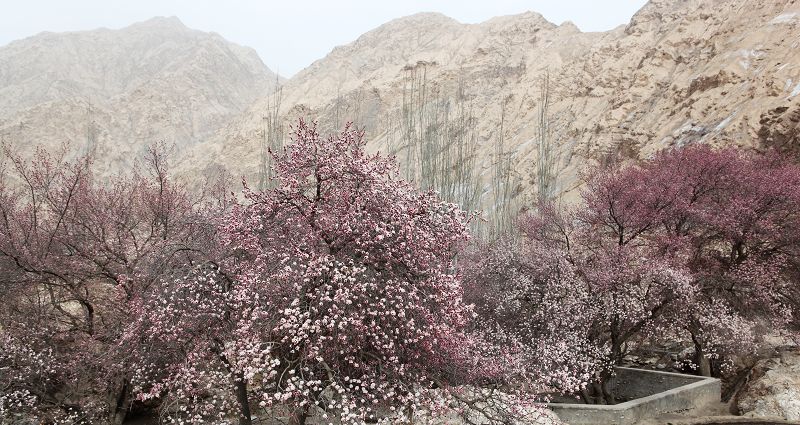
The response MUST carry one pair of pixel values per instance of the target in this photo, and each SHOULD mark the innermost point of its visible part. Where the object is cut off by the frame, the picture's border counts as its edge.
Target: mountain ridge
(681, 71)
(151, 81)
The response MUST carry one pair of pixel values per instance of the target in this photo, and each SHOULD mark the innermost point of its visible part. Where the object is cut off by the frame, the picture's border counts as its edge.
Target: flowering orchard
(694, 244)
(338, 298)
(584, 306)
(344, 294)
(74, 254)
(729, 218)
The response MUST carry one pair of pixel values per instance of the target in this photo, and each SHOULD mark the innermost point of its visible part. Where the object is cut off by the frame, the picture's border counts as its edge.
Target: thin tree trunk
(299, 416)
(587, 399)
(123, 404)
(608, 393)
(240, 388)
(701, 360)
(597, 387)
(241, 397)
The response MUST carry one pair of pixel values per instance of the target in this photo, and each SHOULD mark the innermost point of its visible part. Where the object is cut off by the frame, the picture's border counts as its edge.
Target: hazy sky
(290, 34)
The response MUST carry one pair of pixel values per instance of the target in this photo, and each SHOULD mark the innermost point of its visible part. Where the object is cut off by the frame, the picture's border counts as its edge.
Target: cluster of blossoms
(693, 244)
(74, 253)
(338, 297)
(24, 368)
(337, 294)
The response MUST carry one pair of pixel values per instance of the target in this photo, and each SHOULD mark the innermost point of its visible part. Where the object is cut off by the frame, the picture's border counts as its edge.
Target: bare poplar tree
(91, 133)
(271, 137)
(504, 181)
(553, 128)
(546, 159)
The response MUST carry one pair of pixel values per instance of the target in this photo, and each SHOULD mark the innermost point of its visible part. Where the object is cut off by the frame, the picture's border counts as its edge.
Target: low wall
(652, 394)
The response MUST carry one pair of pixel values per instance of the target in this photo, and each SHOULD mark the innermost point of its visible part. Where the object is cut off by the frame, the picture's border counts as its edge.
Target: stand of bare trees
(439, 140)
(271, 138)
(545, 184)
(505, 182)
(435, 135)
(551, 130)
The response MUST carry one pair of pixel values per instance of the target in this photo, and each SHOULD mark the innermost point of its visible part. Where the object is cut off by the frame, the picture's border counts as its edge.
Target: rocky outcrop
(117, 91)
(682, 71)
(780, 128)
(773, 388)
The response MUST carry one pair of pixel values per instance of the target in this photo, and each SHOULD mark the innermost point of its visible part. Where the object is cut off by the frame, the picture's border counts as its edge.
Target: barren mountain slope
(117, 91)
(364, 81)
(682, 71)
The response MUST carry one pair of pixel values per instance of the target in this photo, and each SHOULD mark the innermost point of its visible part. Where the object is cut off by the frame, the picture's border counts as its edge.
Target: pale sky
(290, 34)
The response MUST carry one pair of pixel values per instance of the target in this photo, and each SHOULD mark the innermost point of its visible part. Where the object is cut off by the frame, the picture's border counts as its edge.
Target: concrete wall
(659, 392)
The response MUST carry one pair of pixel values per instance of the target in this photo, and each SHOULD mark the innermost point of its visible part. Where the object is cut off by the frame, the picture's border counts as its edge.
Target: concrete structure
(651, 393)
(732, 420)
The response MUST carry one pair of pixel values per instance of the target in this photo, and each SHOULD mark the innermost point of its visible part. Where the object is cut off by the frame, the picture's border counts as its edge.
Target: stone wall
(653, 393)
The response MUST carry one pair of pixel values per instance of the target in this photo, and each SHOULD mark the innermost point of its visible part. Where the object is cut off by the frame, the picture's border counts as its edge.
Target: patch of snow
(796, 91)
(788, 84)
(724, 123)
(785, 18)
(756, 52)
(747, 54)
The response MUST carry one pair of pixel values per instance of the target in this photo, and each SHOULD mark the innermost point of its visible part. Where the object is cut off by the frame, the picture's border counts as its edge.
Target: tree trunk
(241, 397)
(123, 404)
(597, 390)
(239, 386)
(299, 416)
(700, 358)
(703, 363)
(608, 394)
(587, 399)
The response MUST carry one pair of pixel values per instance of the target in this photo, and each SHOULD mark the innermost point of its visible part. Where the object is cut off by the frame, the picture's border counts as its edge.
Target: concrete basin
(650, 393)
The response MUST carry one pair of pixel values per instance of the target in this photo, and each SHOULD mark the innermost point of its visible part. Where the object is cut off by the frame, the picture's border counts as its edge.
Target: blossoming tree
(74, 252)
(733, 216)
(339, 298)
(695, 242)
(584, 306)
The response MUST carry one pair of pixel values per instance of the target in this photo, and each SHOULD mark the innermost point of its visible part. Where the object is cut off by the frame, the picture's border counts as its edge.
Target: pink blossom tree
(729, 218)
(735, 216)
(726, 217)
(694, 242)
(529, 296)
(339, 298)
(586, 303)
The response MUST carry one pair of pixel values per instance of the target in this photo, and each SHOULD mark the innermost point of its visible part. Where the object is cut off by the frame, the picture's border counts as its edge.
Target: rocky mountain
(116, 91)
(682, 71)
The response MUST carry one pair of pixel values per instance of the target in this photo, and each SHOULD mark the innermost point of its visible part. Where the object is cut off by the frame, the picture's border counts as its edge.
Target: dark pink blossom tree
(74, 252)
(735, 216)
(695, 242)
(587, 304)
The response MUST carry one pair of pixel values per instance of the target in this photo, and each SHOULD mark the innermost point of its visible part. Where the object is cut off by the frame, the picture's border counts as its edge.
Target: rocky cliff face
(117, 91)
(773, 388)
(682, 71)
